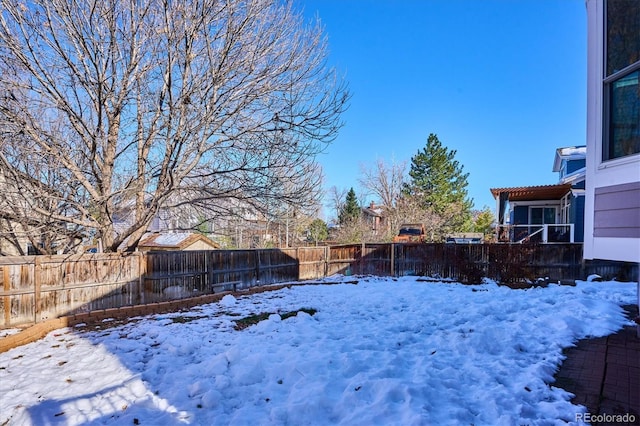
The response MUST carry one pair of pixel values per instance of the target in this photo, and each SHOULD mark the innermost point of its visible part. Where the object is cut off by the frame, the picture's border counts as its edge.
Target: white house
(612, 205)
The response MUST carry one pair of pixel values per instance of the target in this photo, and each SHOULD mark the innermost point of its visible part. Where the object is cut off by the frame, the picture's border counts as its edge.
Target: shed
(171, 241)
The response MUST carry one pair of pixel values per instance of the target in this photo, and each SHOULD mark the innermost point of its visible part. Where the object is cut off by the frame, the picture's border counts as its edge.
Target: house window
(542, 215)
(622, 73)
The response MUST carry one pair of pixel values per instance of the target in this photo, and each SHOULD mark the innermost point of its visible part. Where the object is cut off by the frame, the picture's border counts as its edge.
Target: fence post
(298, 261)
(571, 233)
(142, 260)
(392, 267)
(36, 288)
(7, 299)
(327, 252)
(257, 257)
(209, 268)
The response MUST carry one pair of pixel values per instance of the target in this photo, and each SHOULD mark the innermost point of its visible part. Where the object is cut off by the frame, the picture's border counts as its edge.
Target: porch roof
(533, 193)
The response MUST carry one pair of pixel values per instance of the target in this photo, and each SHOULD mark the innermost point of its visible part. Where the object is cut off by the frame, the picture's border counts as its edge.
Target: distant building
(234, 222)
(570, 164)
(465, 238)
(376, 217)
(169, 241)
(612, 210)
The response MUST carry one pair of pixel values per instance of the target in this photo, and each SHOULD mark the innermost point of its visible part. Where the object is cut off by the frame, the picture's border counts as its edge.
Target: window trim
(606, 110)
(542, 207)
(565, 208)
(607, 82)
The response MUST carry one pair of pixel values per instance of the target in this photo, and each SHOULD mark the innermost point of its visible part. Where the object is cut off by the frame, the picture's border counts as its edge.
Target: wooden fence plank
(36, 288)
(6, 300)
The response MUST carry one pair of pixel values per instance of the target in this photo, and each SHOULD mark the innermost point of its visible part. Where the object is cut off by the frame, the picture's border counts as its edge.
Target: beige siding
(199, 245)
(617, 211)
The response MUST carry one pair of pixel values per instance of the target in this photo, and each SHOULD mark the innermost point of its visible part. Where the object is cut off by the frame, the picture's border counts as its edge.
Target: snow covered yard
(384, 351)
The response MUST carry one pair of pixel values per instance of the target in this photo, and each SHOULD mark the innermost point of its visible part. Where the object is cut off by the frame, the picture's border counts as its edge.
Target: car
(410, 233)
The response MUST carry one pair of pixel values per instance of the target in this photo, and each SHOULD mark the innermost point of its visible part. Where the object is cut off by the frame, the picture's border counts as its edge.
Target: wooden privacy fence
(35, 288)
(465, 262)
(184, 272)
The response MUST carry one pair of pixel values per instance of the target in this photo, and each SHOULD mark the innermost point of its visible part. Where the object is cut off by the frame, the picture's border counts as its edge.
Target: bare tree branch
(145, 104)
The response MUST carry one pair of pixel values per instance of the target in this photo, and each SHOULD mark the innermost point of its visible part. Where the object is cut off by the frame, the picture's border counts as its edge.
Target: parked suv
(410, 233)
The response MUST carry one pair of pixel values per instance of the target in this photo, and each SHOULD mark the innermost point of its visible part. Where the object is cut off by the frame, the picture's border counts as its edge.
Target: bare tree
(386, 181)
(354, 230)
(336, 199)
(150, 103)
(31, 196)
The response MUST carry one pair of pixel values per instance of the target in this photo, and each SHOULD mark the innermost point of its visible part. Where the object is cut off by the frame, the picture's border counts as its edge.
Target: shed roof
(174, 240)
(533, 193)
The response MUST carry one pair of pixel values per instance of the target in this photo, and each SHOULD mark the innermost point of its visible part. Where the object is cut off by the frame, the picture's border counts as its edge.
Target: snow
(8, 332)
(573, 152)
(383, 351)
(228, 301)
(171, 238)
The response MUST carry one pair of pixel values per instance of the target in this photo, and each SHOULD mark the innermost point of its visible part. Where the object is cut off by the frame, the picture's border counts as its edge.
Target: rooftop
(532, 193)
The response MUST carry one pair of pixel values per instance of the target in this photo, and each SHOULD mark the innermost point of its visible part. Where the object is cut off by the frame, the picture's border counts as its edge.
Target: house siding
(576, 216)
(575, 165)
(617, 211)
(199, 245)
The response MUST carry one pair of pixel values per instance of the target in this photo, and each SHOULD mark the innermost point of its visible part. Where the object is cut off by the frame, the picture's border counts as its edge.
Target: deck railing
(550, 233)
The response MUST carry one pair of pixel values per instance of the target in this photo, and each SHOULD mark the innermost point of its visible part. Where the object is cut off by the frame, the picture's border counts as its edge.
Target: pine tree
(438, 181)
(483, 222)
(350, 210)
(318, 231)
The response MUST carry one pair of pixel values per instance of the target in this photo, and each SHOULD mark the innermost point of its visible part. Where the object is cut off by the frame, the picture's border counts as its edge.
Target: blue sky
(503, 82)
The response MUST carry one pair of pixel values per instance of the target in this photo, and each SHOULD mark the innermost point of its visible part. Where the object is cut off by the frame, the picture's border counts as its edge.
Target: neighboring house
(612, 211)
(236, 223)
(570, 163)
(376, 217)
(169, 241)
(546, 213)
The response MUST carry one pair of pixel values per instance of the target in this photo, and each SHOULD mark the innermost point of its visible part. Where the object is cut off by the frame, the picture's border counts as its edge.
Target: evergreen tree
(350, 210)
(483, 222)
(438, 181)
(318, 231)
